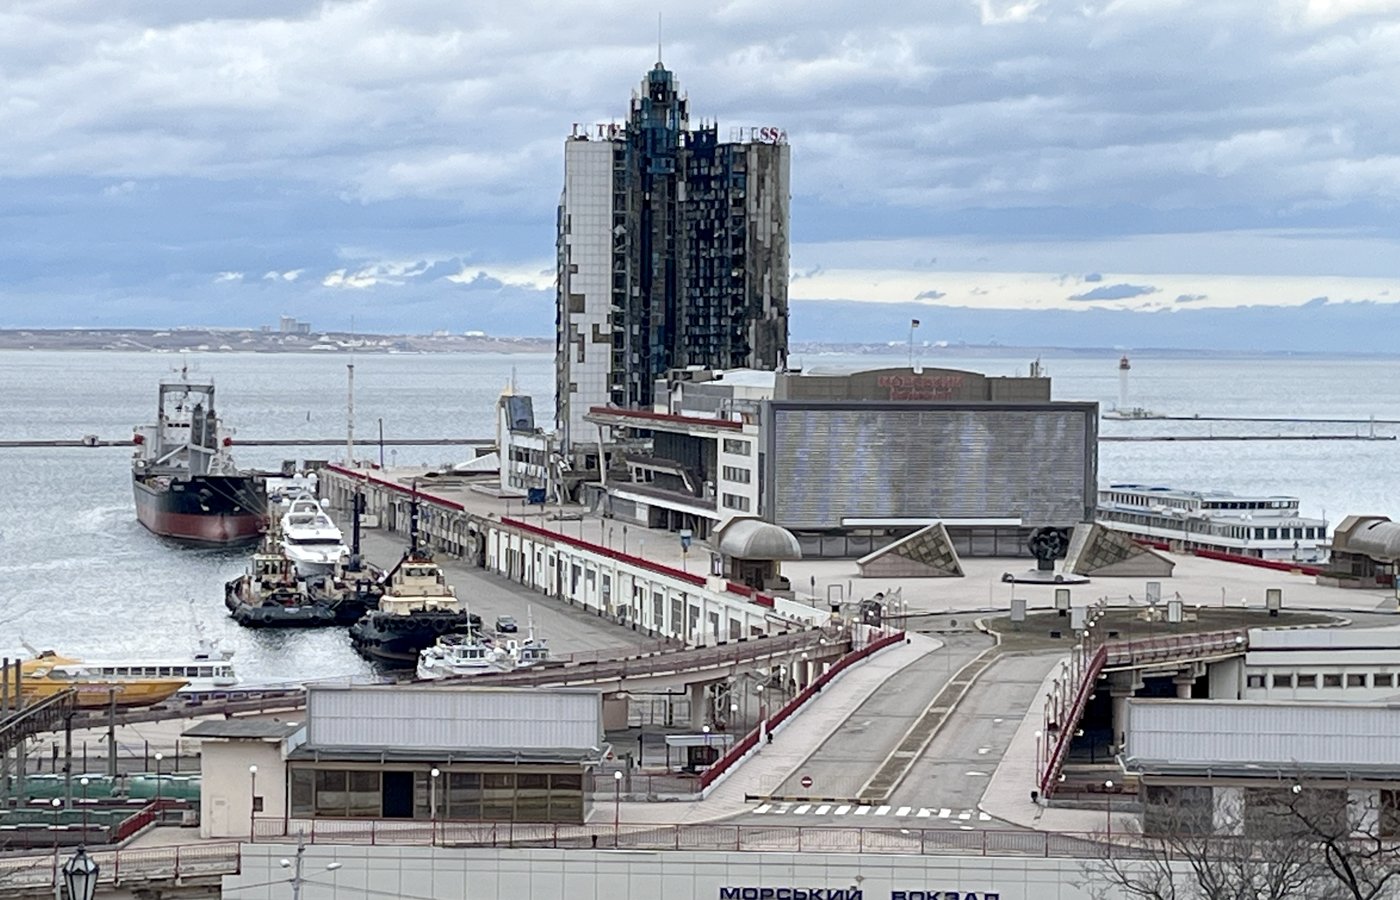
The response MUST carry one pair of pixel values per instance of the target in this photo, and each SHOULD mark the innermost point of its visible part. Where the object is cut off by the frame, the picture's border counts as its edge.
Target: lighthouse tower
(1123, 368)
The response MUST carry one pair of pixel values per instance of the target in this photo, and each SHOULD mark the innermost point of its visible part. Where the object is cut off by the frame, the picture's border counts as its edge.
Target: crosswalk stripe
(764, 808)
(882, 810)
(862, 810)
(802, 810)
(821, 810)
(780, 810)
(964, 816)
(902, 811)
(944, 813)
(842, 810)
(984, 817)
(924, 812)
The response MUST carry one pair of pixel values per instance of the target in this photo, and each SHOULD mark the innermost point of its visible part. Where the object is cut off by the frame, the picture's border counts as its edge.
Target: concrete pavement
(791, 745)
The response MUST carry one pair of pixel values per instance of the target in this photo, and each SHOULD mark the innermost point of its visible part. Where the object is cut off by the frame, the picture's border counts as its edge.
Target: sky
(1121, 172)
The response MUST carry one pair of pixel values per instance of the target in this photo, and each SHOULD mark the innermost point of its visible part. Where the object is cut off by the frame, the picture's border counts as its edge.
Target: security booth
(693, 752)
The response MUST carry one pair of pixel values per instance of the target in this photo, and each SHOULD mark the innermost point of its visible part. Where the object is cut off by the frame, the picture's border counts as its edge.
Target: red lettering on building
(922, 387)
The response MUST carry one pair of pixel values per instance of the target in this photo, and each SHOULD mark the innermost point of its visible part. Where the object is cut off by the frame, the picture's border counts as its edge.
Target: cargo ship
(186, 486)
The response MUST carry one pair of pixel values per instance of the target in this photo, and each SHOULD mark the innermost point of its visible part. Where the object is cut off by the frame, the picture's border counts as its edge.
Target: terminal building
(852, 462)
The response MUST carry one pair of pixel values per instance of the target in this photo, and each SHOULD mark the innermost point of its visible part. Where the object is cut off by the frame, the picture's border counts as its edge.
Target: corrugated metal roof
(1250, 734)
(465, 718)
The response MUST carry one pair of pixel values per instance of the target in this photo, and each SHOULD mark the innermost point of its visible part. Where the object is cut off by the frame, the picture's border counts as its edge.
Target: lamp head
(435, 772)
(617, 776)
(252, 770)
(284, 863)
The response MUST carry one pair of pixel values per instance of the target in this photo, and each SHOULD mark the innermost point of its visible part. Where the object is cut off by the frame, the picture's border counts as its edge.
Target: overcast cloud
(223, 162)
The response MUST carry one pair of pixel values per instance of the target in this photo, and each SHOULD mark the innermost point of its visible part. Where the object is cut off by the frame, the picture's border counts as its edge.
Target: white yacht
(1262, 527)
(311, 539)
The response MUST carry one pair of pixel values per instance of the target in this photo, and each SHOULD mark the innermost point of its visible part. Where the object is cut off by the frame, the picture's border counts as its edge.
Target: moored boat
(185, 484)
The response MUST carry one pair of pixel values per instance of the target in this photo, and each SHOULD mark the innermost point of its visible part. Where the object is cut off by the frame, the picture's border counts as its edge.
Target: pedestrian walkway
(857, 814)
(1008, 793)
(792, 743)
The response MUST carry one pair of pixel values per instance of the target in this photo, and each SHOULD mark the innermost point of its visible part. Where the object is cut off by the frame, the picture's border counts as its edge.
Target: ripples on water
(79, 575)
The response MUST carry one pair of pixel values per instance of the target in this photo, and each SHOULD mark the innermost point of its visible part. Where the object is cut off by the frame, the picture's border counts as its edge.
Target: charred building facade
(672, 252)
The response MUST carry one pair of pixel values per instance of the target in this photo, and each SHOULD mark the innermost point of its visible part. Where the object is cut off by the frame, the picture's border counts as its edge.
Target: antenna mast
(350, 416)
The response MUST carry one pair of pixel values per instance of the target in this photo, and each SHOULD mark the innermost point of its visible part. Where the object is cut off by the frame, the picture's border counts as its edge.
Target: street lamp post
(159, 757)
(84, 782)
(252, 803)
(80, 875)
(433, 775)
(762, 713)
(57, 805)
(617, 805)
(1108, 808)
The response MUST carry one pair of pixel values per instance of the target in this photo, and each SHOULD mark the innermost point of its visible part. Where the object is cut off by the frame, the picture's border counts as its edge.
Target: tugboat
(418, 606)
(269, 594)
(186, 486)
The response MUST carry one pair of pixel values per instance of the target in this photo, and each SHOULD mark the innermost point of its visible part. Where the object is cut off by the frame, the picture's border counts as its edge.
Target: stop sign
(806, 781)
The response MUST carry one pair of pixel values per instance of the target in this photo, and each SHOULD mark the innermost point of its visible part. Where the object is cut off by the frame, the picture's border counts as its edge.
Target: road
(567, 629)
(953, 771)
(852, 753)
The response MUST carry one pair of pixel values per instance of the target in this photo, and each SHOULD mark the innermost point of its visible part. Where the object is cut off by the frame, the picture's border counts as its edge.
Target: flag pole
(913, 323)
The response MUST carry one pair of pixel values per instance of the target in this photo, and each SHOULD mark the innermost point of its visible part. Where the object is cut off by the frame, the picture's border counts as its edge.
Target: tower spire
(658, 38)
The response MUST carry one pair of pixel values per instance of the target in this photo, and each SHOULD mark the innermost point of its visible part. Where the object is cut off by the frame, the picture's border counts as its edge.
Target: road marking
(882, 810)
(925, 812)
(862, 810)
(964, 816)
(983, 817)
(779, 810)
(842, 810)
(822, 810)
(763, 809)
(802, 810)
(983, 751)
(903, 811)
(975, 774)
(944, 813)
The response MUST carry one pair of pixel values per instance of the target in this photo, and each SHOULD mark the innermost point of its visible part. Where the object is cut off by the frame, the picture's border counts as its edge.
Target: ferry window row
(168, 672)
(1283, 534)
(1307, 680)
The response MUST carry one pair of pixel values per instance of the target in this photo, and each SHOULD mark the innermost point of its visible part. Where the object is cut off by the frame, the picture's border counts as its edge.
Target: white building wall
(695, 614)
(726, 490)
(227, 788)
(587, 205)
(485, 874)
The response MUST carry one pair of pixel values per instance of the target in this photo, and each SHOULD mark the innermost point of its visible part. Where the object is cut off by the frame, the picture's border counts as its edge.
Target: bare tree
(1266, 845)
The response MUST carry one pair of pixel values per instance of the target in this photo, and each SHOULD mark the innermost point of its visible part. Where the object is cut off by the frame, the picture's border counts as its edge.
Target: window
(1283, 680)
(737, 447)
(736, 474)
(1307, 679)
(1356, 679)
(1332, 680)
(735, 501)
(1254, 681)
(1383, 680)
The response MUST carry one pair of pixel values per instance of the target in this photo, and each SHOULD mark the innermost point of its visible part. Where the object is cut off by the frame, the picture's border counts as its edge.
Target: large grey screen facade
(1037, 462)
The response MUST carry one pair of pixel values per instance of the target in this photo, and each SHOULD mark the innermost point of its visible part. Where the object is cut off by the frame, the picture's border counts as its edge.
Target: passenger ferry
(129, 683)
(1257, 526)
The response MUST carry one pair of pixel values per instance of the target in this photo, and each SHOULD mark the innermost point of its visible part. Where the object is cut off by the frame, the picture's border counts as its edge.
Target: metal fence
(757, 838)
(126, 867)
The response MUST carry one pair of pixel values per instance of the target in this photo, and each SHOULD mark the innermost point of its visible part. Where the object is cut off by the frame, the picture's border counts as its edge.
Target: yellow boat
(48, 673)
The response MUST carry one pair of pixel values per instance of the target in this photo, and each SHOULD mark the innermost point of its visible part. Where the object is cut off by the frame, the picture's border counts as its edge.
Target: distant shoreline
(216, 341)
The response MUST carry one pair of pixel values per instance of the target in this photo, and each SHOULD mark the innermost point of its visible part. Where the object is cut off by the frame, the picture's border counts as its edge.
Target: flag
(914, 323)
